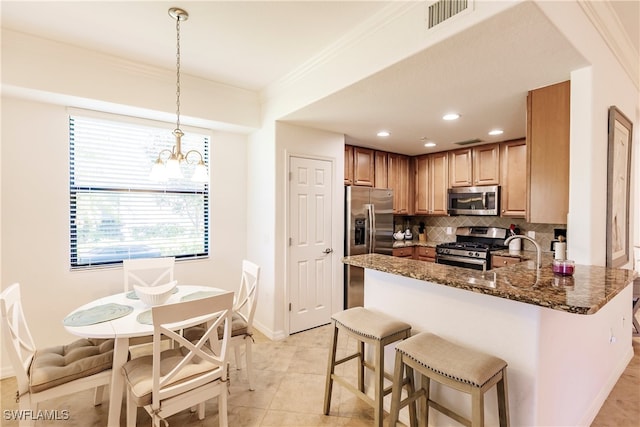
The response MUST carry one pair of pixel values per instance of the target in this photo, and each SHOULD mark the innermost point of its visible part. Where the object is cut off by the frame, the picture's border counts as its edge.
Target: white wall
(34, 169)
(594, 89)
(35, 219)
(269, 151)
(260, 223)
(302, 141)
(45, 69)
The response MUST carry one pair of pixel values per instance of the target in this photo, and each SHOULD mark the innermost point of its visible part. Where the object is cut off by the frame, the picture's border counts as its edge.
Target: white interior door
(310, 275)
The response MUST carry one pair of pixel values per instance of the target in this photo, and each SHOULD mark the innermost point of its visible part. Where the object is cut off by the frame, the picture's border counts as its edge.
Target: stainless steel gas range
(472, 248)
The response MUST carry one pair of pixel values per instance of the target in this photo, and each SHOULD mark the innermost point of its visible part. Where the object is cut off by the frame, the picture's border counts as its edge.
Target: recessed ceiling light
(451, 116)
(496, 132)
(383, 133)
(430, 144)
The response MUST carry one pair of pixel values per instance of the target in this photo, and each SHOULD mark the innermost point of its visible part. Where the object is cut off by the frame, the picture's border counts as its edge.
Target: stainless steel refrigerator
(368, 229)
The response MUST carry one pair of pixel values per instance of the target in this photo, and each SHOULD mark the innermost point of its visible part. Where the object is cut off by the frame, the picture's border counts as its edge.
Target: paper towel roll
(515, 245)
(560, 251)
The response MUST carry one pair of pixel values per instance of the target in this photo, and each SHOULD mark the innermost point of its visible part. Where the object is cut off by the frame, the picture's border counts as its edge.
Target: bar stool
(461, 368)
(371, 328)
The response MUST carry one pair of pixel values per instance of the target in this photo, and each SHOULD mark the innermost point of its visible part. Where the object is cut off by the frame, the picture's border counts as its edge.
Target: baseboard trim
(603, 394)
(6, 372)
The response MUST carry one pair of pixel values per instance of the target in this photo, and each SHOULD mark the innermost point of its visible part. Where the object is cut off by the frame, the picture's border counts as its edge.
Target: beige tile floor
(289, 380)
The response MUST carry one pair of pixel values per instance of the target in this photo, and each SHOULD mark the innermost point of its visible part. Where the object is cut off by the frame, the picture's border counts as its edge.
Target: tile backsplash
(436, 227)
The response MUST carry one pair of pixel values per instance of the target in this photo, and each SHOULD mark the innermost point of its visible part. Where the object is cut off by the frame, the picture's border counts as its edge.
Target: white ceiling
(483, 73)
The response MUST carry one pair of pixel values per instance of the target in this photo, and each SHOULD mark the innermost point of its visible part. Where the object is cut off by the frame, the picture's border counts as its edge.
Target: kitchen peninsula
(567, 339)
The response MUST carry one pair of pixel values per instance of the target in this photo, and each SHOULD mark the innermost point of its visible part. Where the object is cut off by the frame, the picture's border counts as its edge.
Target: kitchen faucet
(538, 250)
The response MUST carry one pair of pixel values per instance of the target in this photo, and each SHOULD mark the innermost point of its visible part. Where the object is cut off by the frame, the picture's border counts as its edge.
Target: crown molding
(608, 25)
(370, 26)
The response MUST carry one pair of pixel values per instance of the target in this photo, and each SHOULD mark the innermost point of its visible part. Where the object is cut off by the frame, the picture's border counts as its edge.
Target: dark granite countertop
(588, 290)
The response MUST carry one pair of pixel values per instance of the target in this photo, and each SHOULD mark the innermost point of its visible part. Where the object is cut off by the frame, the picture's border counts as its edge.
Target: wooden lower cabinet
(424, 253)
(503, 261)
(406, 252)
(421, 253)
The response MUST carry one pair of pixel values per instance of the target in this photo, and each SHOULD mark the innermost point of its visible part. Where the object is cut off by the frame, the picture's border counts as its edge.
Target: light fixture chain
(170, 168)
(178, 72)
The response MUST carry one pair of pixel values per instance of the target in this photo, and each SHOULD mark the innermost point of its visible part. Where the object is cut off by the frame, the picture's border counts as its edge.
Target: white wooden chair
(147, 271)
(190, 373)
(49, 373)
(243, 311)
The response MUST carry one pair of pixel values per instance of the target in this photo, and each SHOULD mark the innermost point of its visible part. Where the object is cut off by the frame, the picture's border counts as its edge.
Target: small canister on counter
(515, 245)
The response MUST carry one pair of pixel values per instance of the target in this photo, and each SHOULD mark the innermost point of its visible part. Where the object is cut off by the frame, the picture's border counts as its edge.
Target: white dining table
(122, 329)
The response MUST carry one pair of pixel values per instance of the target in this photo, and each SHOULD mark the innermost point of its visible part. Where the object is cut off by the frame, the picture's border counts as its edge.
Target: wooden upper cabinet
(422, 184)
(398, 181)
(363, 167)
(475, 166)
(439, 165)
(348, 164)
(486, 164)
(548, 119)
(513, 181)
(431, 183)
(381, 169)
(460, 166)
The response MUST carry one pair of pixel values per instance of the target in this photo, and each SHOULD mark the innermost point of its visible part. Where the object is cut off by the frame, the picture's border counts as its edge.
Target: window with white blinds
(116, 211)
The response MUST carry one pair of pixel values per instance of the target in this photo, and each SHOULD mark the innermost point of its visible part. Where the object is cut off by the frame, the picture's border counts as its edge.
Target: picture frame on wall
(618, 187)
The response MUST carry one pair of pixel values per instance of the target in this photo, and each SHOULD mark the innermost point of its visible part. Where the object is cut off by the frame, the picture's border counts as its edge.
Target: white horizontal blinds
(116, 211)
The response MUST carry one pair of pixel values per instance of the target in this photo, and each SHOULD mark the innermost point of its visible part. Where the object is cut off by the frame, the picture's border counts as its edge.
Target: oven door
(459, 261)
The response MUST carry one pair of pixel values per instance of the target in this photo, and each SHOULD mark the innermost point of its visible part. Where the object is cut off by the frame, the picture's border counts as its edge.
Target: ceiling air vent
(444, 9)
(470, 141)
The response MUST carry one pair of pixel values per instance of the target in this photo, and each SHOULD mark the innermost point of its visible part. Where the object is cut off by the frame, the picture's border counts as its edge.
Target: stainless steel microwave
(479, 200)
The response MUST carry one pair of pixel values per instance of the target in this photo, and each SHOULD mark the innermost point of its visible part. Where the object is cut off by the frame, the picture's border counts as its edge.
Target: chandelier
(168, 164)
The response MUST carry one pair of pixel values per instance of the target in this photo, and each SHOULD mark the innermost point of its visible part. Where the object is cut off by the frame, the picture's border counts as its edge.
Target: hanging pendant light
(168, 165)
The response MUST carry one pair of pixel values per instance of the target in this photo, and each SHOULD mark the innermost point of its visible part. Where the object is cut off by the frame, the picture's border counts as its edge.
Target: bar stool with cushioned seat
(461, 368)
(371, 328)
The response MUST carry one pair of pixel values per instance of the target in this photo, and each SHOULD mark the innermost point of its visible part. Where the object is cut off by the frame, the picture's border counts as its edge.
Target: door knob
(327, 251)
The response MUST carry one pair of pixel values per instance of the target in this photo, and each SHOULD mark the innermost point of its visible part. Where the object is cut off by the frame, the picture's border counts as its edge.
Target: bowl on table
(155, 295)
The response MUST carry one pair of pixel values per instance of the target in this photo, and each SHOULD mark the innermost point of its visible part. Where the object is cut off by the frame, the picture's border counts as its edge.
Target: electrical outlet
(531, 234)
(449, 230)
